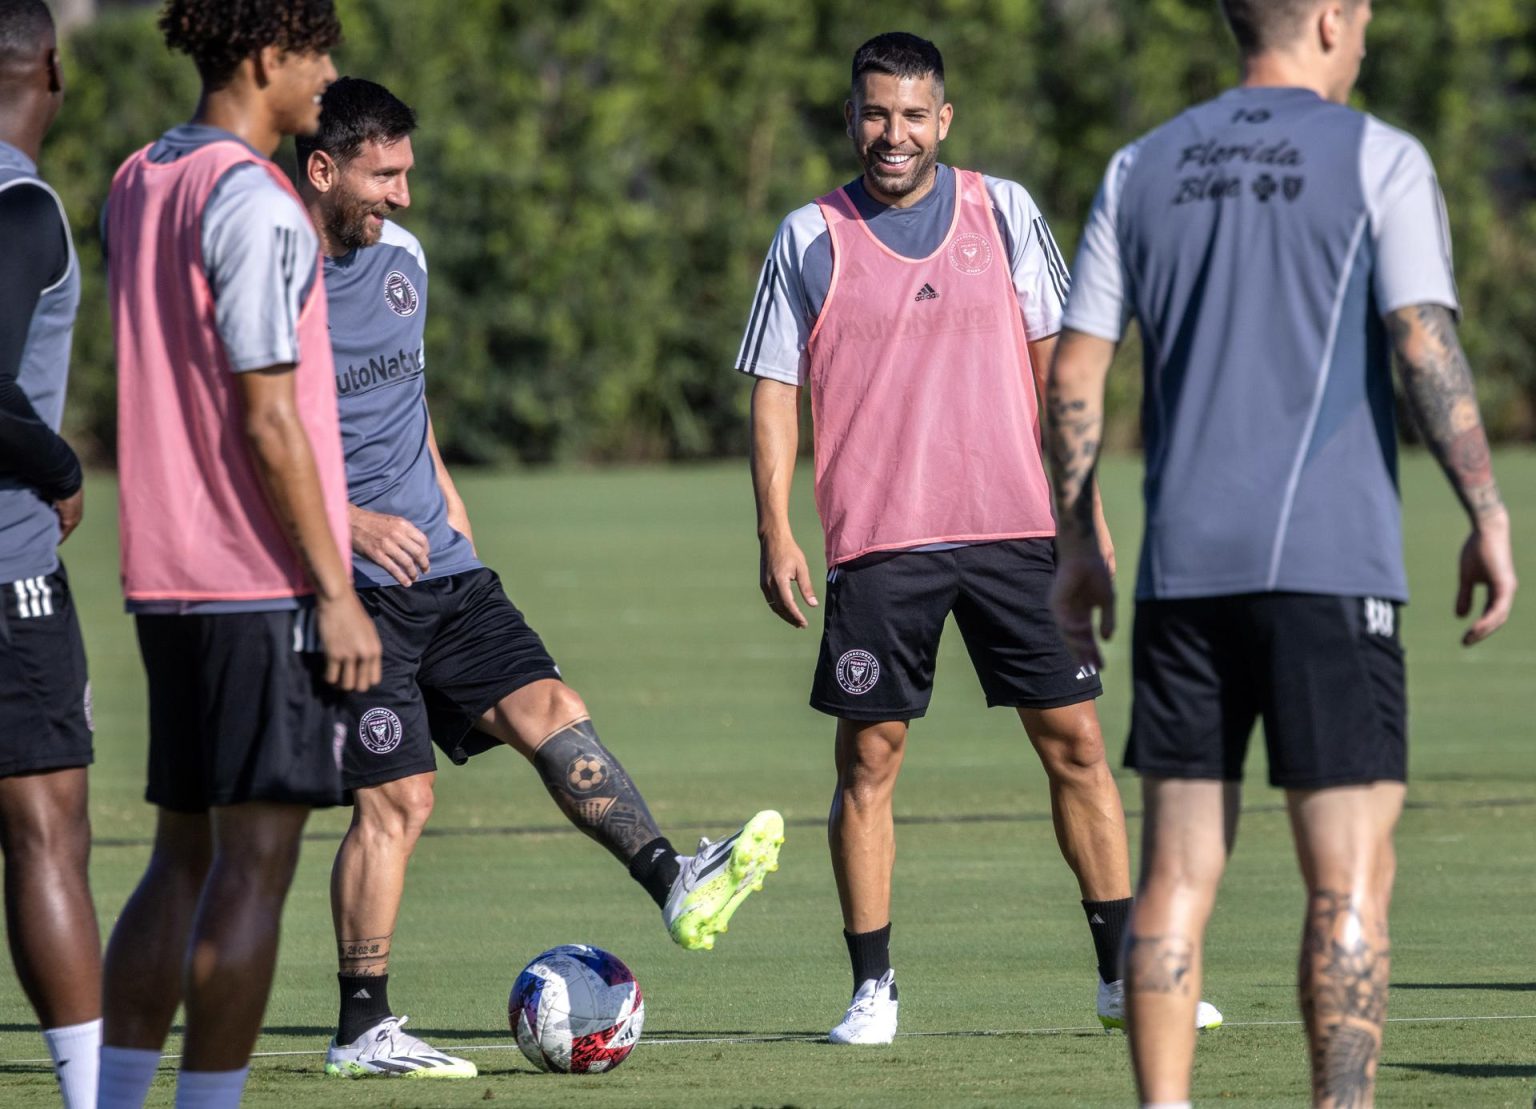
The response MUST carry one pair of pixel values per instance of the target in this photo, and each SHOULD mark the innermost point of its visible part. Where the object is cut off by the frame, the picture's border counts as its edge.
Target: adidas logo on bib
(927, 292)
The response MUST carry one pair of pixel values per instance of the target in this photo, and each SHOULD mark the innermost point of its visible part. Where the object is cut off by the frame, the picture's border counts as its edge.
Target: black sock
(364, 1002)
(870, 954)
(1107, 920)
(655, 867)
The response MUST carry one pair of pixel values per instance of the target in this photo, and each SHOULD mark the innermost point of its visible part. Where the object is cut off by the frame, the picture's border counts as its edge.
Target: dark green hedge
(598, 179)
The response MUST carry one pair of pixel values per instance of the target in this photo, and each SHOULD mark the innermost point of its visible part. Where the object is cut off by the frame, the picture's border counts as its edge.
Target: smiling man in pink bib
(920, 304)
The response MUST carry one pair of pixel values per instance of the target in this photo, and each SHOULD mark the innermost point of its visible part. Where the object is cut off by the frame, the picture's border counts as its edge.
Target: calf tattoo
(593, 790)
(1159, 964)
(1345, 965)
(365, 958)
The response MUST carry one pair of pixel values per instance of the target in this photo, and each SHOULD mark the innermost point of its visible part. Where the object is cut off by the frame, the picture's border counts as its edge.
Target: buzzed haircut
(1260, 25)
(899, 54)
(220, 34)
(24, 24)
(355, 111)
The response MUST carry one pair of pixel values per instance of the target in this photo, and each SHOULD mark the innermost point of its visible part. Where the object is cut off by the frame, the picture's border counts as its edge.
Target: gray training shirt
(1259, 239)
(378, 306)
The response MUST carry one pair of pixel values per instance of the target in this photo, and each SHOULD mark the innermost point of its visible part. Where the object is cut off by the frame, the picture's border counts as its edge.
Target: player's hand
(393, 542)
(70, 509)
(353, 655)
(1487, 560)
(782, 568)
(1084, 582)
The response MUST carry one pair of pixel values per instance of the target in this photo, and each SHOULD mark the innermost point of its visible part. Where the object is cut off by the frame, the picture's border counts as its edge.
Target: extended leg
(1188, 832)
(547, 723)
(1344, 844)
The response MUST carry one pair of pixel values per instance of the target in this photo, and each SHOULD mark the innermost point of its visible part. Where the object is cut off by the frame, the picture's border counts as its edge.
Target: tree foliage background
(597, 180)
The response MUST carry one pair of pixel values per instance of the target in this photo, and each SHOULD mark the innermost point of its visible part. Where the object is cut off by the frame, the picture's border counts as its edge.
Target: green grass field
(644, 585)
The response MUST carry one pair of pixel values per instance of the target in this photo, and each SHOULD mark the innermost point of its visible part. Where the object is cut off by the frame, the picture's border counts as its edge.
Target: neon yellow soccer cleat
(711, 884)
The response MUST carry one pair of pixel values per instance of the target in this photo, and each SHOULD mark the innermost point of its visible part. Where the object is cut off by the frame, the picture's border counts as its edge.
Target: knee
(48, 837)
(561, 706)
(1074, 754)
(396, 812)
(869, 767)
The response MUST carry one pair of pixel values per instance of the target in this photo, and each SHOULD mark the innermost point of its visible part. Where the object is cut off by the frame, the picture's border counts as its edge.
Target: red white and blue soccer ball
(576, 1009)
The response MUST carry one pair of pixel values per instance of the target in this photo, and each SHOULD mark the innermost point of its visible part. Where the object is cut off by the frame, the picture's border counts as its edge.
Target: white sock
(126, 1073)
(1165, 1105)
(210, 1089)
(76, 1051)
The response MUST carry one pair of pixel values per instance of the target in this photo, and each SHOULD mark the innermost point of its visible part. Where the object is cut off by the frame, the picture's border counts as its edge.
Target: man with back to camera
(1274, 246)
(462, 669)
(916, 301)
(45, 715)
(233, 521)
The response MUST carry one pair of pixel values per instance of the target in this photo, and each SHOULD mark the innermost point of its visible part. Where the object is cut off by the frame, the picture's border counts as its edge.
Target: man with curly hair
(234, 523)
(45, 715)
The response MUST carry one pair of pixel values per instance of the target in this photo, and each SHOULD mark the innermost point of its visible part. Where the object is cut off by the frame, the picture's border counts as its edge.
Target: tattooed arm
(1074, 421)
(1041, 353)
(1438, 385)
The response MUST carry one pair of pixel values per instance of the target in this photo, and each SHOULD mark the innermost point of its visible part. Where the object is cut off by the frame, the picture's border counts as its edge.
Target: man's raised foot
(711, 884)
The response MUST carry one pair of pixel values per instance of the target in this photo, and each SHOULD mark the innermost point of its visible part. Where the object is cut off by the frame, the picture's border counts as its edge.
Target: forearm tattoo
(1345, 965)
(1073, 428)
(1438, 385)
(593, 791)
(1159, 964)
(366, 958)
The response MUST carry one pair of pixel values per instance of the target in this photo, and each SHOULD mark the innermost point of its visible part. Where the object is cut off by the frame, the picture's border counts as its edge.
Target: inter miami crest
(379, 729)
(857, 672)
(400, 294)
(970, 253)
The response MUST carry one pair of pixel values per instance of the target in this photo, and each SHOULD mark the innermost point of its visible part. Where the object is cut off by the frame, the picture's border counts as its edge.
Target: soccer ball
(576, 1009)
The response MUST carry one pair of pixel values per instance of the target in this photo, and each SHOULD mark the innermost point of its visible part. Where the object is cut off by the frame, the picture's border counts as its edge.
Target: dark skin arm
(1437, 383)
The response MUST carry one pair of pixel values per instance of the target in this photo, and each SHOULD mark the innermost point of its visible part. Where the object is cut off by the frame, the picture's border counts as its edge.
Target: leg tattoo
(366, 958)
(1158, 964)
(593, 790)
(1345, 964)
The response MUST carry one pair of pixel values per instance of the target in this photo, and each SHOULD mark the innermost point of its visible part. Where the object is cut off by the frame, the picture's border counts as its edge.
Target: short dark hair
(354, 111)
(901, 55)
(24, 24)
(1260, 25)
(220, 34)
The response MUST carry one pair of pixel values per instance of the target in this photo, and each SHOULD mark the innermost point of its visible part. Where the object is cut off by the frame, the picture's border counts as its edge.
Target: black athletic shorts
(239, 710)
(45, 695)
(1324, 673)
(885, 613)
(453, 647)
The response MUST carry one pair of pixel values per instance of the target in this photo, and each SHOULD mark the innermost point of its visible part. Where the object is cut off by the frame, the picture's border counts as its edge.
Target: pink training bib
(926, 423)
(194, 517)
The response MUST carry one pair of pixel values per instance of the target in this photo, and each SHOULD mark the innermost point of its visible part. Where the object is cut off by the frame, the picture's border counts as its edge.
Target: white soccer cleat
(1111, 1006)
(713, 883)
(871, 1019)
(388, 1051)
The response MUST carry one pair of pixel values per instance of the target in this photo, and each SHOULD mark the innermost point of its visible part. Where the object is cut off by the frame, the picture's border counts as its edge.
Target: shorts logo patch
(400, 294)
(1086, 671)
(379, 729)
(970, 253)
(857, 672)
(1380, 616)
